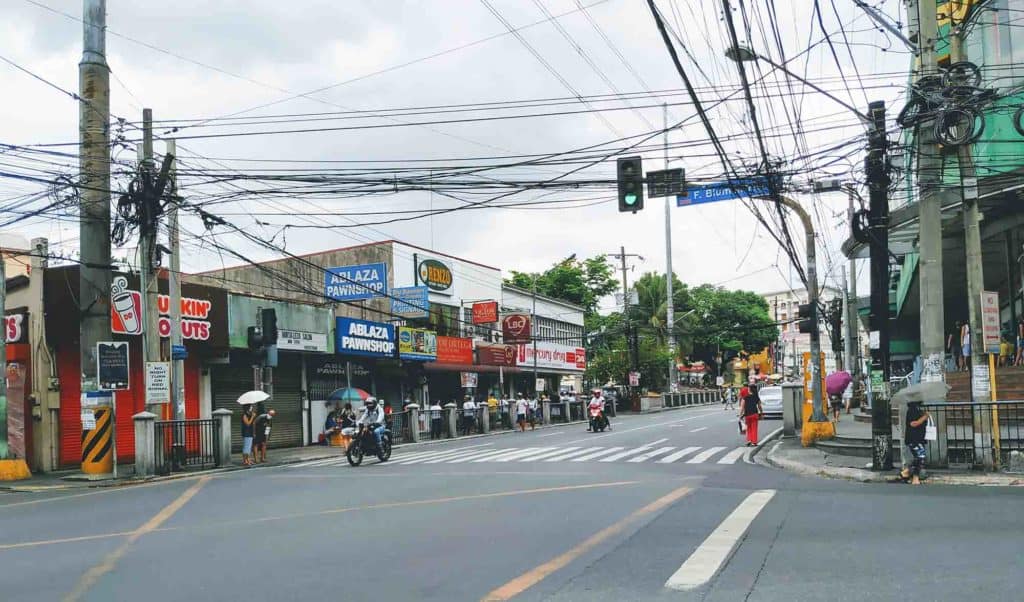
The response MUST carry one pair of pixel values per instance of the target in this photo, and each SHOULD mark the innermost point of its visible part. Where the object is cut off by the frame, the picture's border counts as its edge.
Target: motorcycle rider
(597, 402)
(373, 417)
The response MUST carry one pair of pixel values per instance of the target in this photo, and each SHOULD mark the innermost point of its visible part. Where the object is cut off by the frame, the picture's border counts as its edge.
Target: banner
(515, 328)
(112, 365)
(454, 350)
(417, 343)
(411, 301)
(990, 321)
(490, 354)
(485, 312)
(554, 355)
(356, 282)
(362, 337)
(469, 380)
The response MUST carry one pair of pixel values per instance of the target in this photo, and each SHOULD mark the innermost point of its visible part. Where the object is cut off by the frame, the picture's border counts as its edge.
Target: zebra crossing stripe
(451, 457)
(556, 451)
(630, 452)
(529, 452)
(482, 454)
(679, 454)
(651, 454)
(565, 456)
(433, 456)
(610, 450)
(731, 457)
(704, 455)
(511, 452)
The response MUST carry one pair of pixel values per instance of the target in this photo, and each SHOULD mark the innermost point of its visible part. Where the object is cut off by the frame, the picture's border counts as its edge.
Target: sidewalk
(789, 454)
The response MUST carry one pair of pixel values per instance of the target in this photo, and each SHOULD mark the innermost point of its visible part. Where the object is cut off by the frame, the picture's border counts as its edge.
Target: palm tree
(649, 313)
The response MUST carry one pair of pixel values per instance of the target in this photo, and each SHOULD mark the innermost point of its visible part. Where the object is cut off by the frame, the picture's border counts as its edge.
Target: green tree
(729, 321)
(582, 283)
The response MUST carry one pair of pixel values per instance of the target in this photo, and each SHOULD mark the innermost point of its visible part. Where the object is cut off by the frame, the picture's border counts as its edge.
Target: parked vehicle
(771, 401)
(365, 442)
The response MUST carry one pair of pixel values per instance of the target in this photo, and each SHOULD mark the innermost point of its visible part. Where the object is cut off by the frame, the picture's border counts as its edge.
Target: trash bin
(792, 408)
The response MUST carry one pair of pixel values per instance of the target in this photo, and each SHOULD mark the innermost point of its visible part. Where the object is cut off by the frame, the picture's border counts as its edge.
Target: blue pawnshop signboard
(411, 301)
(363, 337)
(355, 282)
(724, 191)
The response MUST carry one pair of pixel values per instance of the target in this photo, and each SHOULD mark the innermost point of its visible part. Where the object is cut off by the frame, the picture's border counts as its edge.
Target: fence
(977, 435)
(400, 426)
(184, 444)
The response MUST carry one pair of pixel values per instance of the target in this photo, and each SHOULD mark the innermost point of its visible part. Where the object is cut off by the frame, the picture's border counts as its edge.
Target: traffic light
(808, 315)
(631, 184)
(254, 338)
(269, 319)
(835, 319)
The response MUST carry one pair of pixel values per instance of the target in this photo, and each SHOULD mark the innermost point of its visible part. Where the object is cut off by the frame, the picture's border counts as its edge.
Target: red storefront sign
(515, 328)
(495, 355)
(126, 313)
(485, 312)
(16, 328)
(454, 350)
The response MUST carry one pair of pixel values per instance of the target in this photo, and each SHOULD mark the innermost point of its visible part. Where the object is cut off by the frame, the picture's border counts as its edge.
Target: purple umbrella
(837, 382)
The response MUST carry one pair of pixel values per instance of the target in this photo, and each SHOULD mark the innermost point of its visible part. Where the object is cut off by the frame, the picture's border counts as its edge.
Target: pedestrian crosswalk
(654, 452)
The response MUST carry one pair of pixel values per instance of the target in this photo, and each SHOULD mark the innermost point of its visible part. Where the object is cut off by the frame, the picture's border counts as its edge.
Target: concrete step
(832, 446)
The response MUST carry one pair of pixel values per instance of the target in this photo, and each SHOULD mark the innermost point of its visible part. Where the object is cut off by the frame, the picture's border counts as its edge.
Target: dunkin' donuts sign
(126, 313)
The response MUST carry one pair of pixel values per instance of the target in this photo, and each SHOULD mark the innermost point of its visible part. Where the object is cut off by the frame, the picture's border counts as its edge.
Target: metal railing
(976, 435)
(400, 426)
(186, 444)
(437, 423)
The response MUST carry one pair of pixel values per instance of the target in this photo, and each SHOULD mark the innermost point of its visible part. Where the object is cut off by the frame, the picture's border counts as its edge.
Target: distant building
(792, 344)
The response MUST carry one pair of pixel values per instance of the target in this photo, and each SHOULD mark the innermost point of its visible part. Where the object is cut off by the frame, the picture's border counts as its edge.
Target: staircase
(1009, 384)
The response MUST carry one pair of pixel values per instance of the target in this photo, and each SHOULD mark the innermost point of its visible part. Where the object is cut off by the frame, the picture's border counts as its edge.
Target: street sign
(112, 365)
(634, 379)
(724, 191)
(158, 382)
(178, 352)
(990, 321)
(667, 182)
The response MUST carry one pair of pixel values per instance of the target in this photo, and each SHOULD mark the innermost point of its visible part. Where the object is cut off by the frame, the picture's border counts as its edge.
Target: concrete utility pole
(94, 175)
(669, 304)
(4, 448)
(533, 335)
(845, 317)
(174, 288)
(929, 170)
(148, 281)
(852, 319)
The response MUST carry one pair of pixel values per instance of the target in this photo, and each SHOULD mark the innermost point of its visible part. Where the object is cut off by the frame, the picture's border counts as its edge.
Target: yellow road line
(536, 575)
(107, 564)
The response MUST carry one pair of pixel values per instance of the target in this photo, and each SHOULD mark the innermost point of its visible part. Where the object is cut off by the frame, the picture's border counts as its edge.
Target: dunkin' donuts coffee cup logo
(126, 308)
(516, 328)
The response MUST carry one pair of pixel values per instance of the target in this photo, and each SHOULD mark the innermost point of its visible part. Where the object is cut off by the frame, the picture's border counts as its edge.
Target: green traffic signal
(630, 199)
(630, 182)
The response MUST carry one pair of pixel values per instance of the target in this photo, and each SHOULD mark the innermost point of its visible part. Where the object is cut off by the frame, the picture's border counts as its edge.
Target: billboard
(410, 301)
(356, 282)
(485, 312)
(363, 337)
(417, 344)
(454, 350)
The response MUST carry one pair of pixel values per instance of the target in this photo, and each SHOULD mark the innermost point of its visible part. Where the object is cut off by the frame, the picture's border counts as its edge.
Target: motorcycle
(365, 442)
(598, 422)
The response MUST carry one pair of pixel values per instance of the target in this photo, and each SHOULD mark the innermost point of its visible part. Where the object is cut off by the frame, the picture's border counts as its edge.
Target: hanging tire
(354, 454)
(954, 127)
(962, 73)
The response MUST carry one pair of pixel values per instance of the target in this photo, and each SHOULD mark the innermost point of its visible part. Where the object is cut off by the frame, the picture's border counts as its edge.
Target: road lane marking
(630, 452)
(705, 561)
(679, 454)
(528, 452)
(598, 454)
(731, 457)
(485, 454)
(534, 576)
(651, 454)
(703, 428)
(702, 414)
(537, 457)
(110, 561)
(434, 456)
(452, 457)
(704, 455)
(512, 452)
(568, 455)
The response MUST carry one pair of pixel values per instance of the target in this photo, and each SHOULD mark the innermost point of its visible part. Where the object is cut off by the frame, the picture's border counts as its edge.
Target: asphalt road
(663, 507)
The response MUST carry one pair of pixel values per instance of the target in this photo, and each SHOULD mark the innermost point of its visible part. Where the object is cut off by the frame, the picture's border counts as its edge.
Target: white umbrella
(251, 397)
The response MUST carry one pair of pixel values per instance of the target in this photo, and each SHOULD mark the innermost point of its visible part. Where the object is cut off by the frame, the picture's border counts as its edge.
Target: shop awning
(436, 367)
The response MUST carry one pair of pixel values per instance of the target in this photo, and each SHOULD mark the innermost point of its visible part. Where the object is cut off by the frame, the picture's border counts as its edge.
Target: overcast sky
(193, 60)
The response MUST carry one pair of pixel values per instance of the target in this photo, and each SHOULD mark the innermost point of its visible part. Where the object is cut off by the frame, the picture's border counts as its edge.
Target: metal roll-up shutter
(228, 383)
(286, 430)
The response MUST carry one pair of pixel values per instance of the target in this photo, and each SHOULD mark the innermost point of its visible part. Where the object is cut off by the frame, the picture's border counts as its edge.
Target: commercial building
(792, 344)
(556, 353)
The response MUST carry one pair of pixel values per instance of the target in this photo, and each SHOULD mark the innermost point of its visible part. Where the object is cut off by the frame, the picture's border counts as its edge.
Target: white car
(771, 401)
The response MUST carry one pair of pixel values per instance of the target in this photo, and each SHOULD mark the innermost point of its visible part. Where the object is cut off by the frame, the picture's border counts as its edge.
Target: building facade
(792, 344)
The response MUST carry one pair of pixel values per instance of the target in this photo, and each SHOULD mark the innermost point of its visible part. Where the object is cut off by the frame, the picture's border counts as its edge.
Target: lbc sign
(516, 328)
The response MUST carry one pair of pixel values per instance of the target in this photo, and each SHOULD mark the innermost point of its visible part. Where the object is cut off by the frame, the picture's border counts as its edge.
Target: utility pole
(929, 168)
(174, 289)
(147, 247)
(94, 175)
(844, 316)
(669, 303)
(625, 314)
(4, 448)
(852, 319)
(533, 335)
(876, 166)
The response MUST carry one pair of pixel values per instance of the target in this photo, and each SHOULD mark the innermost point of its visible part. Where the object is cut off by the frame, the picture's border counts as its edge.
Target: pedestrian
(532, 412)
(1019, 358)
(848, 396)
(916, 428)
(388, 410)
(953, 346)
(965, 344)
(261, 433)
(468, 416)
(522, 408)
(436, 421)
(1005, 352)
(248, 418)
(750, 412)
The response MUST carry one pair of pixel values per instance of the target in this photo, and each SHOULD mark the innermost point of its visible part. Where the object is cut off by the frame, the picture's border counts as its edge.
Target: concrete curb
(859, 475)
(128, 482)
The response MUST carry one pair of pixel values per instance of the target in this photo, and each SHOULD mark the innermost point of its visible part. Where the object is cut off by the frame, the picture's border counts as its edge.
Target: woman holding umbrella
(248, 402)
(835, 384)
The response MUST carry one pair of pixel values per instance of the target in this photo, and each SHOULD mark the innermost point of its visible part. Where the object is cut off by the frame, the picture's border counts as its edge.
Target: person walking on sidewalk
(917, 424)
(522, 408)
(965, 345)
(750, 412)
(468, 416)
(248, 418)
(436, 420)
